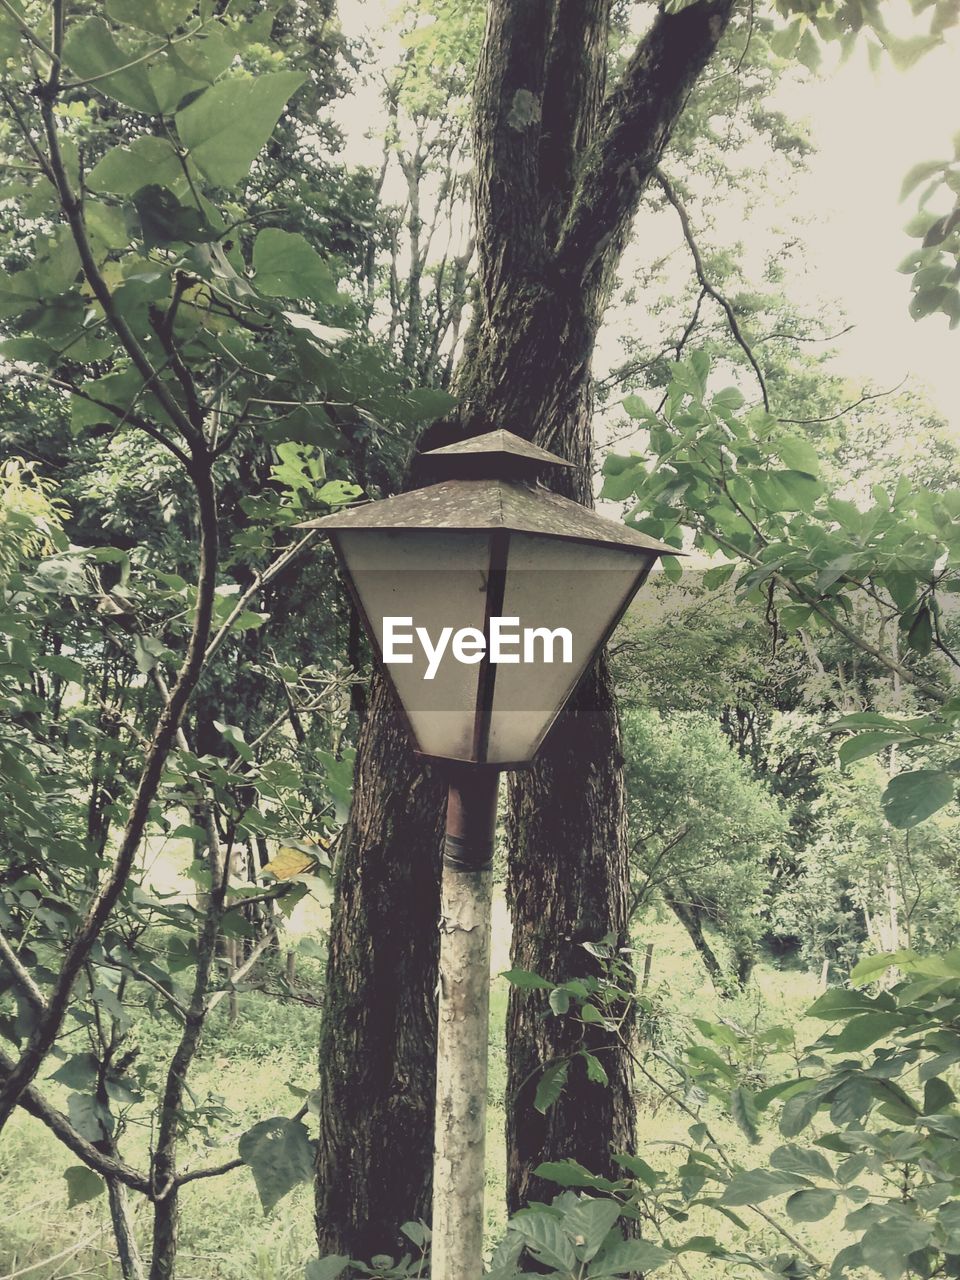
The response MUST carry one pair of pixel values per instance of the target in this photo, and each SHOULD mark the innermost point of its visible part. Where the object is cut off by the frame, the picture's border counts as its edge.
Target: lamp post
(485, 596)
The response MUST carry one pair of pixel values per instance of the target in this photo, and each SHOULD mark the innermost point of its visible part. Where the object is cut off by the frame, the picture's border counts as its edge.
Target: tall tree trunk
(560, 168)
(378, 1043)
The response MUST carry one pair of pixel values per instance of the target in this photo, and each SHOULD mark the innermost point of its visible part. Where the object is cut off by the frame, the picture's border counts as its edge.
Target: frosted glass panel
(438, 578)
(553, 583)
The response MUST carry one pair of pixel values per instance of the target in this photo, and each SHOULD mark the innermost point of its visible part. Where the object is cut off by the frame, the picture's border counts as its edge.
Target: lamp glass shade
(481, 711)
(552, 583)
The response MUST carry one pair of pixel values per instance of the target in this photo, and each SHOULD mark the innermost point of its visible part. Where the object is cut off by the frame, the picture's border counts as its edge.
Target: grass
(245, 1069)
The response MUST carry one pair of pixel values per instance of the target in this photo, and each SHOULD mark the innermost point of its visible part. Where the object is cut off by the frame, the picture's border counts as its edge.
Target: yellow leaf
(289, 863)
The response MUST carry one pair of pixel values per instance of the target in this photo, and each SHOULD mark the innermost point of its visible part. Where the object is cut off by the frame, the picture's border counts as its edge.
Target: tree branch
(34, 1103)
(668, 190)
(637, 121)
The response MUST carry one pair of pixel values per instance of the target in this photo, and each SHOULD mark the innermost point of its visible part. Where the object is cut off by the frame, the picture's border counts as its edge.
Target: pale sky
(868, 129)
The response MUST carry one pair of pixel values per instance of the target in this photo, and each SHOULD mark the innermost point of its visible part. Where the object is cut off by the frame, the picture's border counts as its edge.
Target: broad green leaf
(638, 1168)
(82, 1184)
(866, 1029)
(329, 1268)
(146, 161)
(919, 173)
(161, 17)
(91, 51)
(525, 979)
(912, 797)
(840, 1002)
(550, 1086)
(863, 745)
(325, 333)
(743, 1108)
(627, 1258)
(803, 1160)
(731, 398)
(225, 128)
(590, 1223)
(287, 266)
(595, 1069)
(799, 455)
(164, 220)
(545, 1238)
(851, 1102)
(811, 1206)
(786, 490)
(871, 967)
(637, 407)
(566, 1173)
(280, 1153)
(887, 1245)
(797, 1113)
(753, 1186)
(90, 1117)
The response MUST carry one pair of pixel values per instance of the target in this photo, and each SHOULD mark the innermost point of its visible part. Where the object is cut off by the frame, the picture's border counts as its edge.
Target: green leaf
(919, 173)
(287, 266)
(160, 17)
(526, 980)
(840, 1002)
(811, 1206)
(590, 1223)
(227, 125)
(753, 1186)
(886, 1245)
(90, 1117)
(727, 400)
(803, 1160)
(912, 797)
(786, 490)
(329, 1268)
(595, 1068)
(808, 51)
(920, 635)
(638, 1168)
(870, 967)
(560, 1001)
(638, 408)
(545, 1238)
(799, 455)
(866, 1029)
(82, 1184)
(91, 51)
(550, 1086)
(743, 1108)
(863, 745)
(280, 1153)
(627, 1258)
(566, 1173)
(797, 1113)
(164, 220)
(145, 161)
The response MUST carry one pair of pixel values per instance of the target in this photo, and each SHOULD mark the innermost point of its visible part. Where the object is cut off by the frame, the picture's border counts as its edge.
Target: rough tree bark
(560, 168)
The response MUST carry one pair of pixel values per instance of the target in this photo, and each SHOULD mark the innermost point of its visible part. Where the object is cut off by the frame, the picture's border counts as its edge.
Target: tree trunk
(691, 920)
(566, 886)
(378, 1043)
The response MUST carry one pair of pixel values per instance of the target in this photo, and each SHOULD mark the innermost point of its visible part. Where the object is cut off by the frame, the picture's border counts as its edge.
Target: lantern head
(486, 596)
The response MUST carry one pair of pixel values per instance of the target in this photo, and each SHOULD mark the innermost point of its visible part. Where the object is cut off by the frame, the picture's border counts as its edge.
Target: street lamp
(485, 596)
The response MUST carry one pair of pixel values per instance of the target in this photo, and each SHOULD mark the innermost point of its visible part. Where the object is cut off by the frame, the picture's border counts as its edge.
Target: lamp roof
(515, 456)
(490, 504)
